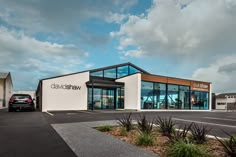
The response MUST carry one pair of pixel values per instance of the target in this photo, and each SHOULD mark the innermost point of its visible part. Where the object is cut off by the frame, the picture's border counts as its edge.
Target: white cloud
(181, 28)
(58, 15)
(221, 73)
(26, 56)
(116, 18)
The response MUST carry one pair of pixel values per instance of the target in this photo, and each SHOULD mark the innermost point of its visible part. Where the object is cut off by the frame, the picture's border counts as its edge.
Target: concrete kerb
(86, 141)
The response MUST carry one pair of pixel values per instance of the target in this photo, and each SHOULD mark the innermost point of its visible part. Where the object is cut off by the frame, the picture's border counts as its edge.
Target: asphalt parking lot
(27, 134)
(219, 122)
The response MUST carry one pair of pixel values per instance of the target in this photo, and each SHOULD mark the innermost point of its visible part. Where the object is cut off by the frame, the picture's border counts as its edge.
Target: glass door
(108, 99)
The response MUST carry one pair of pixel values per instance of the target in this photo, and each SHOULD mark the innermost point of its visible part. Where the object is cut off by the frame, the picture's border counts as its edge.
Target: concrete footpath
(86, 141)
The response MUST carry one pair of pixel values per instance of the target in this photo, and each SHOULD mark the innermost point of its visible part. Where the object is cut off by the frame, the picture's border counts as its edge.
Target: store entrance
(101, 98)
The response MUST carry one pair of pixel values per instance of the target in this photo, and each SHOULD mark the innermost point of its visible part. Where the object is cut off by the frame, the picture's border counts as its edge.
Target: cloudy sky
(193, 39)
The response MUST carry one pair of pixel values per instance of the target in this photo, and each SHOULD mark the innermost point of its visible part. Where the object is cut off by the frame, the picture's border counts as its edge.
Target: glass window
(90, 101)
(184, 97)
(133, 70)
(108, 98)
(147, 95)
(199, 100)
(172, 97)
(97, 73)
(97, 98)
(122, 71)
(110, 73)
(159, 95)
(120, 98)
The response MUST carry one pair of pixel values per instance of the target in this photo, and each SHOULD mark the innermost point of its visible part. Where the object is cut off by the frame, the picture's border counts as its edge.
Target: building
(123, 86)
(6, 88)
(226, 101)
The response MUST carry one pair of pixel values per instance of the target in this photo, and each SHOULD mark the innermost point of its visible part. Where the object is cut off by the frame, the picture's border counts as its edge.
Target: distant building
(226, 101)
(6, 87)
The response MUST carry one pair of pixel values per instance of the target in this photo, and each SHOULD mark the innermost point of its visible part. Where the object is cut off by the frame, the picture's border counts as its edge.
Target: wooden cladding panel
(194, 85)
(153, 78)
(163, 79)
(179, 81)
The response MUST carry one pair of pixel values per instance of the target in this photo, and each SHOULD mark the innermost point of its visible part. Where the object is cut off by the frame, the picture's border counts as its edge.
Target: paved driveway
(217, 121)
(28, 134)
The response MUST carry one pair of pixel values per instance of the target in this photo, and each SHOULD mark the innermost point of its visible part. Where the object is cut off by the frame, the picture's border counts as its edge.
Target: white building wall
(65, 99)
(1, 92)
(132, 91)
(221, 103)
(9, 89)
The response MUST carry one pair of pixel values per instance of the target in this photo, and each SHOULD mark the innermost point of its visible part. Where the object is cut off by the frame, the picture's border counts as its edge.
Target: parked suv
(20, 102)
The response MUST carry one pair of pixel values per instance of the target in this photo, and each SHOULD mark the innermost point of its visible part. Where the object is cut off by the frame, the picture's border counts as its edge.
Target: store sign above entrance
(65, 86)
(200, 86)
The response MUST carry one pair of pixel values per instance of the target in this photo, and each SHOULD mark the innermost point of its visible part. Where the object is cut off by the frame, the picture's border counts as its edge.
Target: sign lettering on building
(199, 86)
(65, 86)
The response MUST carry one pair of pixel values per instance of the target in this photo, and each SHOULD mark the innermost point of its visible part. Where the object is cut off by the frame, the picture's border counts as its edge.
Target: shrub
(123, 131)
(126, 121)
(229, 145)
(199, 133)
(166, 126)
(181, 134)
(185, 149)
(104, 128)
(145, 140)
(144, 125)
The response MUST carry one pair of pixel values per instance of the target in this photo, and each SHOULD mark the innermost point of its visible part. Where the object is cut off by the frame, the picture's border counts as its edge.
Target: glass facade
(199, 100)
(172, 96)
(156, 95)
(120, 98)
(110, 73)
(116, 72)
(97, 73)
(122, 71)
(105, 98)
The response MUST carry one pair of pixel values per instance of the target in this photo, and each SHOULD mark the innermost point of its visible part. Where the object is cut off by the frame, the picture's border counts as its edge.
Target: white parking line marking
(49, 113)
(229, 126)
(89, 112)
(219, 118)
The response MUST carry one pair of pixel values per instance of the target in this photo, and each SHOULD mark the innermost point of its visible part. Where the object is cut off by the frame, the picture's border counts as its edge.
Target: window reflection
(172, 97)
(199, 100)
(122, 71)
(97, 73)
(184, 97)
(159, 95)
(110, 73)
(133, 70)
(147, 95)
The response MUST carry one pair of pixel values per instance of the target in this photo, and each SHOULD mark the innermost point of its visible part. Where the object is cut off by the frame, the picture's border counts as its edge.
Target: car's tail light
(29, 100)
(11, 100)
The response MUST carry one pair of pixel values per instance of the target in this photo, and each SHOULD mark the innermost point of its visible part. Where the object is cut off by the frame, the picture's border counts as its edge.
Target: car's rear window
(21, 96)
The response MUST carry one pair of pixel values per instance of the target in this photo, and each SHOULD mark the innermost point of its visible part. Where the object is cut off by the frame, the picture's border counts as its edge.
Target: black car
(20, 102)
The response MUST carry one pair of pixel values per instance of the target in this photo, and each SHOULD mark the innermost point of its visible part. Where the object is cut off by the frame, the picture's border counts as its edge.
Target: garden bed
(162, 138)
(162, 143)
